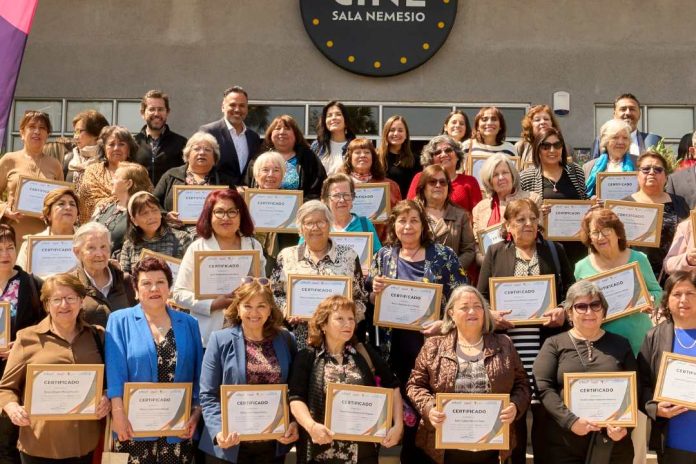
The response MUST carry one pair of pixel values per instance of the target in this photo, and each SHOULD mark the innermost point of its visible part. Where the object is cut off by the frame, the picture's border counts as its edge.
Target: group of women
(157, 330)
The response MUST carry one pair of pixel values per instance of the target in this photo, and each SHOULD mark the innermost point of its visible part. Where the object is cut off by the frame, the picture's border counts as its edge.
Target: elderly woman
(457, 126)
(224, 224)
(400, 164)
(501, 180)
(538, 118)
(653, 170)
(334, 355)
(445, 151)
(615, 146)
(128, 179)
(449, 224)
(255, 335)
(60, 210)
(681, 255)
(334, 132)
(303, 170)
(62, 337)
(318, 255)
(584, 348)
(201, 154)
(87, 126)
(30, 161)
(488, 134)
(151, 342)
(672, 425)
(147, 228)
(108, 287)
(96, 184)
(468, 358)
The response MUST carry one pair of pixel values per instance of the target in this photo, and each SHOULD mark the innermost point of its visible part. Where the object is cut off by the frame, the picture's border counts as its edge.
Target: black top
(564, 189)
(167, 154)
(401, 175)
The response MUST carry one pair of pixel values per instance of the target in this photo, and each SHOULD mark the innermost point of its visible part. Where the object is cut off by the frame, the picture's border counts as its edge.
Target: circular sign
(378, 37)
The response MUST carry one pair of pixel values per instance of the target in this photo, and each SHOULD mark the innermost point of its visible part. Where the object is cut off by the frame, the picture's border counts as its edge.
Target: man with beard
(160, 149)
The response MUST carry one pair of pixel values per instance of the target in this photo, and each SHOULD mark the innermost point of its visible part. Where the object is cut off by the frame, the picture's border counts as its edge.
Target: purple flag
(15, 22)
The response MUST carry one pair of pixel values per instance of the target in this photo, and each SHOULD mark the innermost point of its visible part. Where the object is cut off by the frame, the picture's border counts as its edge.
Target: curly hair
(332, 304)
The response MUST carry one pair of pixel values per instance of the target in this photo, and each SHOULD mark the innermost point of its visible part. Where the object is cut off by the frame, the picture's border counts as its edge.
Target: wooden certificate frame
(442, 398)
(294, 278)
(286, 227)
(569, 378)
(225, 391)
(657, 231)
(641, 282)
(32, 240)
(179, 189)
(435, 316)
(386, 210)
(668, 357)
(470, 159)
(34, 369)
(603, 176)
(200, 256)
(129, 388)
(5, 325)
(484, 232)
(386, 423)
(23, 180)
(564, 238)
(551, 282)
(692, 217)
(166, 258)
(367, 262)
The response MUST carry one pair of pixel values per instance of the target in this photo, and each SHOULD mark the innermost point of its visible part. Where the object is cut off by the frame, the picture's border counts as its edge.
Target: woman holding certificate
(585, 348)
(254, 350)
(151, 342)
(615, 146)
(335, 356)
(468, 358)
(61, 338)
(224, 225)
(400, 164)
(672, 422)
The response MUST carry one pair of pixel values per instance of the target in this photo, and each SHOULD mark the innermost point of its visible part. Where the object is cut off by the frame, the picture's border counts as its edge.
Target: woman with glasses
(586, 347)
(653, 170)
(615, 146)
(224, 224)
(400, 164)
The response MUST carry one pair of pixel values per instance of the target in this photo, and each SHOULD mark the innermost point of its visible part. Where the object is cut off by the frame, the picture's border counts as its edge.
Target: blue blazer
(131, 355)
(224, 363)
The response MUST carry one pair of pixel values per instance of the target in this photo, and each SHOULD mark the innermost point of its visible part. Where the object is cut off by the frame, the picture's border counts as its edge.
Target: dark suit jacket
(229, 161)
(169, 155)
(683, 183)
(645, 141)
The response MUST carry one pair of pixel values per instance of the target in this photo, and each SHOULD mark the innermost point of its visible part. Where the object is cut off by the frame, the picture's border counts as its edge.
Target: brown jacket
(96, 307)
(454, 231)
(436, 371)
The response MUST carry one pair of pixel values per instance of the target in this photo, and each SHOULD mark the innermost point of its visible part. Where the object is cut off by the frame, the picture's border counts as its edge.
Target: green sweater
(635, 326)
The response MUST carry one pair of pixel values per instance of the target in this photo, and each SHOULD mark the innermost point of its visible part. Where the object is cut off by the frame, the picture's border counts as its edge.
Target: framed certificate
(360, 242)
(50, 254)
(358, 413)
(405, 304)
(273, 210)
(676, 379)
(527, 297)
(564, 220)
(616, 185)
(31, 192)
(157, 409)
(642, 221)
(474, 163)
(173, 263)
(624, 289)
(472, 422)
(255, 412)
(63, 391)
(692, 217)
(605, 398)
(372, 200)
(4, 324)
(305, 292)
(188, 200)
(489, 236)
(218, 273)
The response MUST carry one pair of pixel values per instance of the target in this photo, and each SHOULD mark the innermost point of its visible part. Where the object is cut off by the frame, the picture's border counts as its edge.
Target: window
(671, 122)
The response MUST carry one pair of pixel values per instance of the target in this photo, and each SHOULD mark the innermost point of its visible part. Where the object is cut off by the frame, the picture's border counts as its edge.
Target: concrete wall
(498, 51)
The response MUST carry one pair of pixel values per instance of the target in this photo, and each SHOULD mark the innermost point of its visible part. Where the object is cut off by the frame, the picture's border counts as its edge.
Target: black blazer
(229, 161)
(683, 183)
(170, 153)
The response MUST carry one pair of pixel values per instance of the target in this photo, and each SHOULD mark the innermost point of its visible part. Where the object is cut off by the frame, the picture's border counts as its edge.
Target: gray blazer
(683, 183)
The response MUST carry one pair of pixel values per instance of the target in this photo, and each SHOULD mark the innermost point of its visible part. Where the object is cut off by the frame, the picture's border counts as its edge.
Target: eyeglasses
(317, 224)
(657, 169)
(446, 151)
(250, 279)
(56, 301)
(342, 196)
(79, 132)
(222, 214)
(605, 232)
(547, 145)
(436, 182)
(582, 308)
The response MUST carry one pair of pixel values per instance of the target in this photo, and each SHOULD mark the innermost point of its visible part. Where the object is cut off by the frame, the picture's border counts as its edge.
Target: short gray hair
(580, 289)
(273, 156)
(311, 207)
(199, 137)
(426, 157)
(610, 129)
(89, 229)
(448, 323)
(490, 165)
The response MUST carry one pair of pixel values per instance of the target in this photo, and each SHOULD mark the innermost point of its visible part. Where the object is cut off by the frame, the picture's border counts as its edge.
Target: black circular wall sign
(378, 37)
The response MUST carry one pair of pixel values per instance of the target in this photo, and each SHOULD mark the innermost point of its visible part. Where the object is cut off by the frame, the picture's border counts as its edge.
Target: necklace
(412, 255)
(693, 344)
(464, 345)
(589, 344)
(555, 189)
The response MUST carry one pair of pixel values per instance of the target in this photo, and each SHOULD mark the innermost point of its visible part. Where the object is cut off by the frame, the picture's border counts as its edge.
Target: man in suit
(683, 182)
(238, 143)
(159, 148)
(627, 108)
